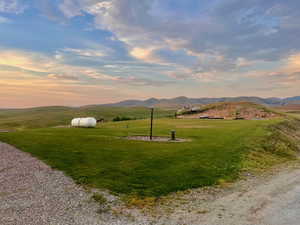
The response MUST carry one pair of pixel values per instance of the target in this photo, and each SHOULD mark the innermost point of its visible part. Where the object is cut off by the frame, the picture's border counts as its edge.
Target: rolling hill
(60, 115)
(182, 101)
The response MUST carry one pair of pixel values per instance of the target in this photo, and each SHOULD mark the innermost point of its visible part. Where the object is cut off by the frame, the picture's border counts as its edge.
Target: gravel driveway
(31, 193)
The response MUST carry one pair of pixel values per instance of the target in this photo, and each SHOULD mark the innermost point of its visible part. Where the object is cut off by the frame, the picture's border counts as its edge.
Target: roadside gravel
(270, 199)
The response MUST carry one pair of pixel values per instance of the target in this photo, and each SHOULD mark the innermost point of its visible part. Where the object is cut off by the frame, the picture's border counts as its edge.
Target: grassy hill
(57, 115)
(218, 151)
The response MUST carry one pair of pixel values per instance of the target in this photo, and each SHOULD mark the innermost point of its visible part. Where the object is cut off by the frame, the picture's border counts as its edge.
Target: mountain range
(184, 101)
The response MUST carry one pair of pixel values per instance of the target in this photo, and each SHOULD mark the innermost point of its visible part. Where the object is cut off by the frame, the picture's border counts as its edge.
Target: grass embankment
(57, 115)
(218, 151)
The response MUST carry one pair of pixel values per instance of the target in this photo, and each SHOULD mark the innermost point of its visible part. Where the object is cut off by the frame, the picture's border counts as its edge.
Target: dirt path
(32, 193)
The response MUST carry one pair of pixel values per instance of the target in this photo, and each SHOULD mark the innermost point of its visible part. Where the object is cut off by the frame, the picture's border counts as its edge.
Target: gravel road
(268, 200)
(31, 193)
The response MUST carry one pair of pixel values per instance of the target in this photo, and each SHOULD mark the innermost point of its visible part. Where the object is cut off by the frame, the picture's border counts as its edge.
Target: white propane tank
(84, 122)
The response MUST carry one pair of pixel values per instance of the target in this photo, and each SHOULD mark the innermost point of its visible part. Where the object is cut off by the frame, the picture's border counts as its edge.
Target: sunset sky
(78, 52)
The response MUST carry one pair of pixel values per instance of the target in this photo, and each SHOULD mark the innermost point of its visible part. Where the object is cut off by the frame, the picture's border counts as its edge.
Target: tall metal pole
(151, 127)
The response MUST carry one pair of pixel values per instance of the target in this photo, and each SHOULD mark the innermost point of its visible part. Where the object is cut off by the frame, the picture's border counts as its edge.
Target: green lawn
(100, 158)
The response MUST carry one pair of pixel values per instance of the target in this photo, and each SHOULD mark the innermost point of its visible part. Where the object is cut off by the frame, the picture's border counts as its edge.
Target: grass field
(218, 152)
(54, 116)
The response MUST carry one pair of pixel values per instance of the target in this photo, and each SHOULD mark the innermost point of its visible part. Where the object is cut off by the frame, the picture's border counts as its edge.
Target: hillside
(59, 115)
(231, 110)
(183, 101)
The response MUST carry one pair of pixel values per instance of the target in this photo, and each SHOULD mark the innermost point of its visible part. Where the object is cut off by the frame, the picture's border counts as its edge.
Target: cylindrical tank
(84, 122)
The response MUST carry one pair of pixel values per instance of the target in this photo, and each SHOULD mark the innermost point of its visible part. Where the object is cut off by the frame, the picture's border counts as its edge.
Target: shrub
(122, 118)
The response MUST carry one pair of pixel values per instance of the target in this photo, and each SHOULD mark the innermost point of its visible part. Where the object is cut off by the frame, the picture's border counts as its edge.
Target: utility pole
(151, 126)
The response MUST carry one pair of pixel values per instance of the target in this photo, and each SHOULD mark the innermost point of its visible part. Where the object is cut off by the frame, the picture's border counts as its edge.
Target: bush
(122, 118)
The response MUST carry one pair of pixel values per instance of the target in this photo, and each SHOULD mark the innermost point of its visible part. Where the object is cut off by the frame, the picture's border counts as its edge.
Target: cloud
(242, 62)
(12, 6)
(293, 62)
(129, 80)
(4, 20)
(48, 82)
(188, 74)
(62, 77)
(85, 52)
(72, 8)
(136, 81)
(24, 60)
(286, 75)
(180, 75)
(227, 36)
(143, 54)
(38, 67)
(99, 76)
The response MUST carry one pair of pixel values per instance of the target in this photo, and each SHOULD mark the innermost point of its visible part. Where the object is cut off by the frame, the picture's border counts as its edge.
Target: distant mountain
(183, 101)
(293, 100)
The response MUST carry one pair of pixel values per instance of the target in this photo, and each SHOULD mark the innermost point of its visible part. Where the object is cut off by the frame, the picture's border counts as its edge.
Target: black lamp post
(151, 125)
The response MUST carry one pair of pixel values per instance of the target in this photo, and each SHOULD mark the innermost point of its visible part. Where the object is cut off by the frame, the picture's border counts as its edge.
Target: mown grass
(57, 115)
(218, 151)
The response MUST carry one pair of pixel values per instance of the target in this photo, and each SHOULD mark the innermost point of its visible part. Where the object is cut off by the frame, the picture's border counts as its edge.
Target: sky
(80, 52)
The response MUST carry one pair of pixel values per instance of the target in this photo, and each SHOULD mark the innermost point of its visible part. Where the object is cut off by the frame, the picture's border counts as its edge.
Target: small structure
(173, 135)
(88, 122)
